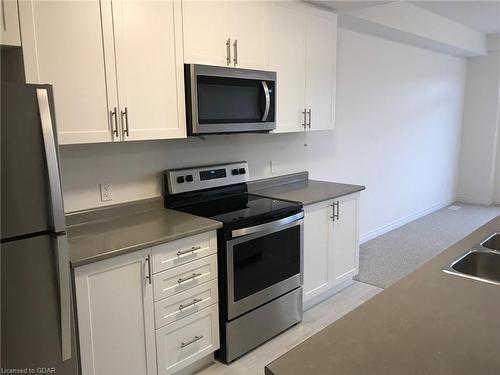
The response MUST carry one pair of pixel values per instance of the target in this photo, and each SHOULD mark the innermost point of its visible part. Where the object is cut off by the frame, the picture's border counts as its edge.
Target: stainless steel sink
(482, 265)
(492, 242)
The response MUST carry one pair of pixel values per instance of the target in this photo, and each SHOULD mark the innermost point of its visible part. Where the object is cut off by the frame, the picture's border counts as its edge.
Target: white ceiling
(480, 15)
(347, 5)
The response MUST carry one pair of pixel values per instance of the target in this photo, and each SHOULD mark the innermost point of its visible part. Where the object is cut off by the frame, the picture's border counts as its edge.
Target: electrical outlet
(106, 191)
(274, 167)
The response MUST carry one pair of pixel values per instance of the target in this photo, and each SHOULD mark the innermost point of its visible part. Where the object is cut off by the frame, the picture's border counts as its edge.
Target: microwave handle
(268, 100)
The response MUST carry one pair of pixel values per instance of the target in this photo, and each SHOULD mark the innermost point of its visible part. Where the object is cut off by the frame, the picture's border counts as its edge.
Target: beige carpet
(387, 258)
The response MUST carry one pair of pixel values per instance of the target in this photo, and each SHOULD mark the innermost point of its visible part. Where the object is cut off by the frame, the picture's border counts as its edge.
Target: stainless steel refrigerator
(37, 324)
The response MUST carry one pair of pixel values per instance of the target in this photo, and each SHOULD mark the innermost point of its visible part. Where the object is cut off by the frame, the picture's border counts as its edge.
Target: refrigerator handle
(64, 294)
(58, 219)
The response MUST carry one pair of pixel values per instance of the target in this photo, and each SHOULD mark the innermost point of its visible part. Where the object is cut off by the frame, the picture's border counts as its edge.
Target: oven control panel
(205, 177)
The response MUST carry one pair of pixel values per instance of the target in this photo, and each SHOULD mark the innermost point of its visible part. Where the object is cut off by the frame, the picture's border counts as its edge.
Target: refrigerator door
(31, 317)
(25, 194)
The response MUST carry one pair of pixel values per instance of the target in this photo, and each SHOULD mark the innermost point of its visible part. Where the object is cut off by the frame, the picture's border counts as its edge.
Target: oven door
(230, 100)
(263, 263)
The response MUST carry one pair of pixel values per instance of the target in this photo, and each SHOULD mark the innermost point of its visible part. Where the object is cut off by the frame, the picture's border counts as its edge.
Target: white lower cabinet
(184, 342)
(132, 320)
(331, 245)
(115, 316)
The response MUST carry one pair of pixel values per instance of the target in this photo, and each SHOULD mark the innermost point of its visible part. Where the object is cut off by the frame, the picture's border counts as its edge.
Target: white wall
(496, 182)
(399, 112)
(478, 154)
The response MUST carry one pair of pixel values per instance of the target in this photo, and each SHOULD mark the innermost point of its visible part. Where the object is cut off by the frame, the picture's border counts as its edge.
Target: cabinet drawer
(186, 303)
(187, 276)
(175, 253)
(183, 342)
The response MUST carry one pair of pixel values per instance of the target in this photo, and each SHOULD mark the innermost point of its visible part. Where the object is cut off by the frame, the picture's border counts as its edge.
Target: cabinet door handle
(192, 250)
(235, 46)
(192, 303)
(309, 113)
(149, 276)
(124, 114)
(114, 122)
(304, 123)
(335, 210)
(192, 277)
(228, 51)
(192, 341)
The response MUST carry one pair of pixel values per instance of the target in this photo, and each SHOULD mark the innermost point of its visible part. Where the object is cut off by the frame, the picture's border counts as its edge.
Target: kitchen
(364, 148)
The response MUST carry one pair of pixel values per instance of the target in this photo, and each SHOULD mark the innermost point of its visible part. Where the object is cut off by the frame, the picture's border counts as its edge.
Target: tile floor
(315, 319)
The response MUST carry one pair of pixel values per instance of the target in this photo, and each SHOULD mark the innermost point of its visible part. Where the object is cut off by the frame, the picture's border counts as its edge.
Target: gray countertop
(110, 231)
(429, 322)
(297, 187)
(99, 234)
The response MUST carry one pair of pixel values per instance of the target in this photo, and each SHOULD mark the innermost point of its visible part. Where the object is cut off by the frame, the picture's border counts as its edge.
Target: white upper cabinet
(321, 67)
(63, 46)
(286, 30)
(206, 32)
(116, 67)
(225, 33)
(9, 19)
(149, 69)
(303, 52)
(248, 34)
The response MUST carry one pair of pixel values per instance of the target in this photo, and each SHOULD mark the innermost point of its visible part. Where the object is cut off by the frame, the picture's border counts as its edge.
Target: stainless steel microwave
(229, 100)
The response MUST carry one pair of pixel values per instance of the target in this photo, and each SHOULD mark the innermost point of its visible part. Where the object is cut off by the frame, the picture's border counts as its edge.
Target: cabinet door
(205, 31)
(64, 44)
(286, 33)
(9, 18)
(115, 316)
(345, 240)
(321, 61)
(150, 69)
(317, 249)
(247, 30)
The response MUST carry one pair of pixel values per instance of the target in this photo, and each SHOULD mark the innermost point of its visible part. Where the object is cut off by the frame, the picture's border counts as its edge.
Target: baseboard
(475, 200)
(320, 298)
(404, 220)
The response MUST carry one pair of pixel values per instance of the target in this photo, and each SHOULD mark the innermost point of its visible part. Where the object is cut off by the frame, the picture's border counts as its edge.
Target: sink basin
(492, 242)
(481, 265)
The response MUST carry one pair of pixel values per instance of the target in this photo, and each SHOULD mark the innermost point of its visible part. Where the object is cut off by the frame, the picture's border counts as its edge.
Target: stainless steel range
(260, 250)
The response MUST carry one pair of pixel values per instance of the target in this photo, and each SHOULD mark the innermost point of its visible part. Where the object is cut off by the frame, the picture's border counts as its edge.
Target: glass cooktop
(242, 208)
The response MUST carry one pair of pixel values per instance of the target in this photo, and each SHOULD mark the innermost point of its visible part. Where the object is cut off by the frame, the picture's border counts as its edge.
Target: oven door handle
(267, 226)
(268, 100)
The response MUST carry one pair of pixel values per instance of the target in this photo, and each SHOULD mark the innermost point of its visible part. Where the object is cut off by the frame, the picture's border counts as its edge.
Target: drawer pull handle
(192, 341)
(189, 278)
(187, 251)
(192, 303)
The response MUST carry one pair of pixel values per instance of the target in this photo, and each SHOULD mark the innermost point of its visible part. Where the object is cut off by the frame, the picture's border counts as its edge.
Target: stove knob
(189, 178)
(180, 179)
(234, 172)
(242, 171)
